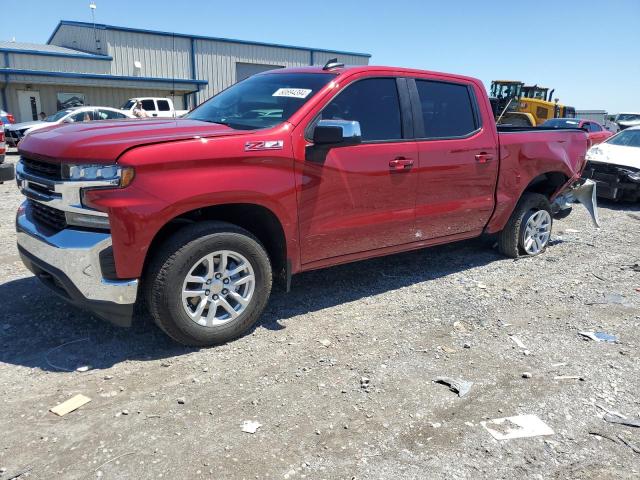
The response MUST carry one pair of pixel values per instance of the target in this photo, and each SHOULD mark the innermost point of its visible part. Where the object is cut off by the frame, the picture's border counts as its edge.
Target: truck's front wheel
(528, 230)
(208, 284)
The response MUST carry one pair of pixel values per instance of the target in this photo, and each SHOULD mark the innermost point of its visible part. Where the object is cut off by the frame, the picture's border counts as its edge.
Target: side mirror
(337, 133)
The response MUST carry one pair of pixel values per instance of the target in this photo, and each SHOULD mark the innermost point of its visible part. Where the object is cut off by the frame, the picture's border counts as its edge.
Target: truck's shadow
(38, 330)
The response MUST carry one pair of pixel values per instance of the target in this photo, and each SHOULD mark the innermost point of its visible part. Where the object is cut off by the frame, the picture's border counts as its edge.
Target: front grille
(52, 171)
(51, 217)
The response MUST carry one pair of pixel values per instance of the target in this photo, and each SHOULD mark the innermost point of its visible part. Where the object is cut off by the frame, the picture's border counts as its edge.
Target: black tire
(166, 272)
(561, 214)
(510, 238)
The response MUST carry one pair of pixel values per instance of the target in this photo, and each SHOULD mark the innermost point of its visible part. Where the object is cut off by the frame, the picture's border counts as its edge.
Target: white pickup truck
(154, 107)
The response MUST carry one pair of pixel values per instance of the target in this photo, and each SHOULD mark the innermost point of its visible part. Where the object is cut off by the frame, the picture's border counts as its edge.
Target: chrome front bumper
(69, 262)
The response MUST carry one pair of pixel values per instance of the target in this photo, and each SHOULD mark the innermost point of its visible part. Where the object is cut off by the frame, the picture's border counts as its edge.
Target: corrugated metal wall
(321, 58)
(160, 56)
(59, 64)
(216, 62)
(166, 56)
(81, 38)
(105, 97)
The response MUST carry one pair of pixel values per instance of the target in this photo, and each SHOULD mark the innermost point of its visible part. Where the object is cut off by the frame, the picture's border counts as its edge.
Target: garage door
(245, 70)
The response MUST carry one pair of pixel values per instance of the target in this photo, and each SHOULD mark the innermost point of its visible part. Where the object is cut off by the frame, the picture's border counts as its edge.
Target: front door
(28, 105)
(360, 198)
(458, 158)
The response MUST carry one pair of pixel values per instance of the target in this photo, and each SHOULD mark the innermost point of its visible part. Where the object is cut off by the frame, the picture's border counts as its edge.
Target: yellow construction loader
(517, 104)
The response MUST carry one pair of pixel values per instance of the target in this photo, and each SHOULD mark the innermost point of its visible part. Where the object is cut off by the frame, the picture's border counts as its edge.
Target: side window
(148, 105)
(447, 110)
(372, 102)
(163, 106)
(594, 127)
(85, 116)
(109, 115)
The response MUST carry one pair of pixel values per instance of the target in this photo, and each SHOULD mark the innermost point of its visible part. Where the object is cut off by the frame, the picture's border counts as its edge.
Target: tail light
(11, 118)
(1, 134)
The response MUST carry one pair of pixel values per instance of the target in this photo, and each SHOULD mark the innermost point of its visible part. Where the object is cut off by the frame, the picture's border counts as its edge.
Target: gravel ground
(339, 372)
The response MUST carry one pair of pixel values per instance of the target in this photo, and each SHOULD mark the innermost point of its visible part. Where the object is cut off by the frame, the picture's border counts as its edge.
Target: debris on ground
(181, 400)
(632, 446)
(18, 474)
(520, 426)
(629, 422)
(324, 342)
(70, 405)
(617, 440)
(527, 375)
(568, 377)
(599, 336)
(518, 342)
(461, 387)
(365, 382)
(250, 426)
(58, 367)
(84, 368)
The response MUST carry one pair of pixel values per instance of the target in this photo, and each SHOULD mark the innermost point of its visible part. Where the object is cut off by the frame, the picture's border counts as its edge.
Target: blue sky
(587, 50)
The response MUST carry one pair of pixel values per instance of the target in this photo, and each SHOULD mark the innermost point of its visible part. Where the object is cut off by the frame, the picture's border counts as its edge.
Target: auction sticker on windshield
(292, 92)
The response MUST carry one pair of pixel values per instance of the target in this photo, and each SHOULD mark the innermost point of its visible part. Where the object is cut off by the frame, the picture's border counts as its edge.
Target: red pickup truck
(287, 171)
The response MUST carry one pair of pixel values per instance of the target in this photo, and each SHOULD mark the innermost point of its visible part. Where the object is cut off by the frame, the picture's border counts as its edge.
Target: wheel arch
(257, 219)
(547, 184)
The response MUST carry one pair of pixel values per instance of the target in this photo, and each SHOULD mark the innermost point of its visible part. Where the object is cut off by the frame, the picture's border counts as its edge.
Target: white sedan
(14, 132)
(615, 166)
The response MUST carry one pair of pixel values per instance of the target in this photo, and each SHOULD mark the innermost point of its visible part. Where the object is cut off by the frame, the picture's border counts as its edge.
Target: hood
(24, 125)
(615, 155)
(105, 141)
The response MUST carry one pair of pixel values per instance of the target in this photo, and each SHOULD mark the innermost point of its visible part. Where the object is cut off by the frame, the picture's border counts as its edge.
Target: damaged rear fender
(582, 191)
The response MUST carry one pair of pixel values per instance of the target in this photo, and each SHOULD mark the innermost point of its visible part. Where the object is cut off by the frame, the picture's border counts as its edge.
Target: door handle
(401, 164)
(484, 157)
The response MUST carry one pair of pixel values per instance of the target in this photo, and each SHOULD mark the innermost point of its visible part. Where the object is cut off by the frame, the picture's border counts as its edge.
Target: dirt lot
(162, 411)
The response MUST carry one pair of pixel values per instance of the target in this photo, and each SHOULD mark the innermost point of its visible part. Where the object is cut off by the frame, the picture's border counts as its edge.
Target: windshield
(58, 116)
(628, 117)
(626, 138)
(562, 123)
(127, 105)
(261, 101)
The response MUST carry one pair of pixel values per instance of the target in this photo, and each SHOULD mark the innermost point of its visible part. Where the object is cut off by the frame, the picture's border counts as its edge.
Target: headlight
(594, 152)
(113, 174)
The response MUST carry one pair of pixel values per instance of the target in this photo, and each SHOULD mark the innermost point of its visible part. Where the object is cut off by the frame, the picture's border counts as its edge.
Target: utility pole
(92, 7)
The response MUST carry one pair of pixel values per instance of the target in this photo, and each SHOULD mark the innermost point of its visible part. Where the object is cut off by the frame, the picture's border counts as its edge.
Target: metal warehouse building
(87, 64)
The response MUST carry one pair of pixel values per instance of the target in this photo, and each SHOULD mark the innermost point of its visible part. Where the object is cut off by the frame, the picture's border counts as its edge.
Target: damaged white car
(615, 166)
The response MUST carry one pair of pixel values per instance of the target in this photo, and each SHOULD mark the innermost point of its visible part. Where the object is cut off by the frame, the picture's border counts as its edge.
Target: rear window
(163, 106)
(447, 109)
(148, 105)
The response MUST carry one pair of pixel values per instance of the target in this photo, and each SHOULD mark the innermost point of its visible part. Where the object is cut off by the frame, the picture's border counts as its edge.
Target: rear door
(164, 108)
(361, 197)
(149, 106)
(458, 157)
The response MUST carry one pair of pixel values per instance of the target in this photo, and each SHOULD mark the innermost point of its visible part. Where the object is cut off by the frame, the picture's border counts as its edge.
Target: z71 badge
(264, 145)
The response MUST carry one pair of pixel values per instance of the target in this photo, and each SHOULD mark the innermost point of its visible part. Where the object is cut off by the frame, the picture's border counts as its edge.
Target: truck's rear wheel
(208, 284)
(528, 230)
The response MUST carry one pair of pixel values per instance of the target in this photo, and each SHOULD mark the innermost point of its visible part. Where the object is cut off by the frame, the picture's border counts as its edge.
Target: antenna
(332, 63)
(92, 7)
